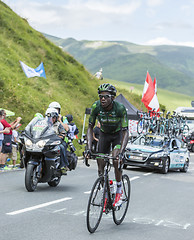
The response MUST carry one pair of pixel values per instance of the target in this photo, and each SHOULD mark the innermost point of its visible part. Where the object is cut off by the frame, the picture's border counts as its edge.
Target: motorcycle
(41, 154)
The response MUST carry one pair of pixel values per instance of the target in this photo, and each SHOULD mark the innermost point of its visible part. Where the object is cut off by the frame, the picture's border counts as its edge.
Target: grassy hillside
(124, 61)
(67, 80)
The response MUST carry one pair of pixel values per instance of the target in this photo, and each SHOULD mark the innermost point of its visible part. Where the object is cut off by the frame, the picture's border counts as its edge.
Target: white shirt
(14, 135)
(98, 75)
(71, 131)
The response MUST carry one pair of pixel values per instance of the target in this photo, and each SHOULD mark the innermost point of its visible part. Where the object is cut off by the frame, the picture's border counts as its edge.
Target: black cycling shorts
(7, 144)
(108, 141)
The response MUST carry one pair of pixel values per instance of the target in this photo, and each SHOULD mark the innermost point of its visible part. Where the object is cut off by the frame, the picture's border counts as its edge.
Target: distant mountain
(173, 66)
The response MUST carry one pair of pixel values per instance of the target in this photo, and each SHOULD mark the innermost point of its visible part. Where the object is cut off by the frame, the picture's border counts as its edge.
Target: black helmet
(69, 118)
(107, 87)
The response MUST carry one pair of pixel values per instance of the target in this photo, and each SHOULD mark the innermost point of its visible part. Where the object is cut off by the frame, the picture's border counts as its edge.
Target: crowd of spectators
(8, 139)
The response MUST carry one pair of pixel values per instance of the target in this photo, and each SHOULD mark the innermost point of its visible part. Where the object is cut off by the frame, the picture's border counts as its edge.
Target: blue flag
(31, 72)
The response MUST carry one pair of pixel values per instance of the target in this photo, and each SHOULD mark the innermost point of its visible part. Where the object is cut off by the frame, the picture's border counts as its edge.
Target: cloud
(154, 3)
(74, 14)
(166, 41)
(113, 8)
(130, 20)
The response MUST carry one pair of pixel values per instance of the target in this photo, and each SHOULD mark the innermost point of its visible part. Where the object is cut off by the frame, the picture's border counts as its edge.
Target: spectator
(15, 136)
(7, 143)
(2, 130)
(99, 74)
(73, 130)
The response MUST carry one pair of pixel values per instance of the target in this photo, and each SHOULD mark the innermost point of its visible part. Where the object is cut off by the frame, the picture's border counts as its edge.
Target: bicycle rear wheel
(140, 126)
(95, 205)
(120, 211)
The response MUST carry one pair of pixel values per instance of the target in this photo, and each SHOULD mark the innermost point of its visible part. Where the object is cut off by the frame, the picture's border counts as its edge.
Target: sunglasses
(105, 96)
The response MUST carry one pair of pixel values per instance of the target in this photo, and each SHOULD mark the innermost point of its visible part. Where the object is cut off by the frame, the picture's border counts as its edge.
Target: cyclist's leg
(116, 145)
(118, 172)
(104, 148)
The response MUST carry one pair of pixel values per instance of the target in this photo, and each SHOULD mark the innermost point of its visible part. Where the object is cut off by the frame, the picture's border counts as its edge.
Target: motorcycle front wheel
(31, 179)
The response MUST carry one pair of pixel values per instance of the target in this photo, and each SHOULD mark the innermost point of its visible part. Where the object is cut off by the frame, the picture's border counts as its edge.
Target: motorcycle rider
(52, 113)
(62, 120)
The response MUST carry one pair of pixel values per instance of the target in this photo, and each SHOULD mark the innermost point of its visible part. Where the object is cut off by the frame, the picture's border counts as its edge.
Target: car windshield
(156, 143)
(152, 141)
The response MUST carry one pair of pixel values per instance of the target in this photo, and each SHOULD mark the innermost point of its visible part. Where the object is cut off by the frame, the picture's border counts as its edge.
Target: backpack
(72, 159)
(76, 131)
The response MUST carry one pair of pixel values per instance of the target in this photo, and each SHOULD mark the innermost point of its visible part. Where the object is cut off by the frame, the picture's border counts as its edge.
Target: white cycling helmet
(55, 105)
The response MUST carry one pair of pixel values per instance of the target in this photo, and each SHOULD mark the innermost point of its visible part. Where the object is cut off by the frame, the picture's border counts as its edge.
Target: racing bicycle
(100, 189)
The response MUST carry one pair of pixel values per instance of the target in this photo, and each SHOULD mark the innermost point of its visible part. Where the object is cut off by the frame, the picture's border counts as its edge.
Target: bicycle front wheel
(95, 205)
(120, 211)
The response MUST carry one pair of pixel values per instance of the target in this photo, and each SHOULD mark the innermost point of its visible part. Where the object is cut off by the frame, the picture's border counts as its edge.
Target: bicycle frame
(110, 198)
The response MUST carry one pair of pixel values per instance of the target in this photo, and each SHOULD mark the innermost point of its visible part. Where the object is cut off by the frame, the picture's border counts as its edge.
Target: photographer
(61, 132)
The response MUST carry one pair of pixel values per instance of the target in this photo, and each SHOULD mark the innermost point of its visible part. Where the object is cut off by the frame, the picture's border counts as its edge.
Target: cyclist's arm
(89, 136)
(92, 120)
(124, 141)
(125, 132)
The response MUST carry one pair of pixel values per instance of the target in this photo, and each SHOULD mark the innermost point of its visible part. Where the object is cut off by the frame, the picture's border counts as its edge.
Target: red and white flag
(155, 85)
(149, 97)
(148, 81)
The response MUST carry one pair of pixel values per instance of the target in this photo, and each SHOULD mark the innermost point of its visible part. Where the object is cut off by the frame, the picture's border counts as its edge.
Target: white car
(157, 152)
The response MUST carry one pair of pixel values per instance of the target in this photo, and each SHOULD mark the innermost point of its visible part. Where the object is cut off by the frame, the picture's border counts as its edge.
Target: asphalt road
(161, 207)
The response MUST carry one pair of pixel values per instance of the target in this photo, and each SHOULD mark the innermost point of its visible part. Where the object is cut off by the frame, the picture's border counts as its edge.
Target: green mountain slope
(124, 61)
(67, 80)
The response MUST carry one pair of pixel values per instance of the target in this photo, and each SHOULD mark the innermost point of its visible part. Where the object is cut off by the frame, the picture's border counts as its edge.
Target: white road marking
(88, 192)
(164, 223)
(161, 221)
(38, 206)
(147, 174)
(134, 178)
(186, 225)
(79, 213)
(63, 209)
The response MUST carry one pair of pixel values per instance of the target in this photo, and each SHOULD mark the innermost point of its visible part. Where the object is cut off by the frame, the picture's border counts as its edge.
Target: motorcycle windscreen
(40, 128)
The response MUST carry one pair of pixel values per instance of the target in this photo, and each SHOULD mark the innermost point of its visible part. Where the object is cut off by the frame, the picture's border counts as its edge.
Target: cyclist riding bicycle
(112, 116)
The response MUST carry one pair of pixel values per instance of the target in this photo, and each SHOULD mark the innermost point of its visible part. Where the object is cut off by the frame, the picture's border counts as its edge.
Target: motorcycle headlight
(41, 143)
(56, 143)
(28, 143)
(157, 155)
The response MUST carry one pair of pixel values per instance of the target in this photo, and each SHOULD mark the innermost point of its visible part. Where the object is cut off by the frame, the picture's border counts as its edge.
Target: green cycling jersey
(111, 121)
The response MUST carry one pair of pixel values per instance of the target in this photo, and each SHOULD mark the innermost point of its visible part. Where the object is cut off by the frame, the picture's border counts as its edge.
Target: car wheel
(165, 167)
(186, 166)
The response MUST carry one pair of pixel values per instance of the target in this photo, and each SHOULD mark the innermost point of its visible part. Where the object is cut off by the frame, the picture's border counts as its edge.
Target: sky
(144, 22)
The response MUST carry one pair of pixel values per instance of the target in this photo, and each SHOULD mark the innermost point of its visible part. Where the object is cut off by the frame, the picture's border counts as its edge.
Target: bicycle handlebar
(103, 156)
